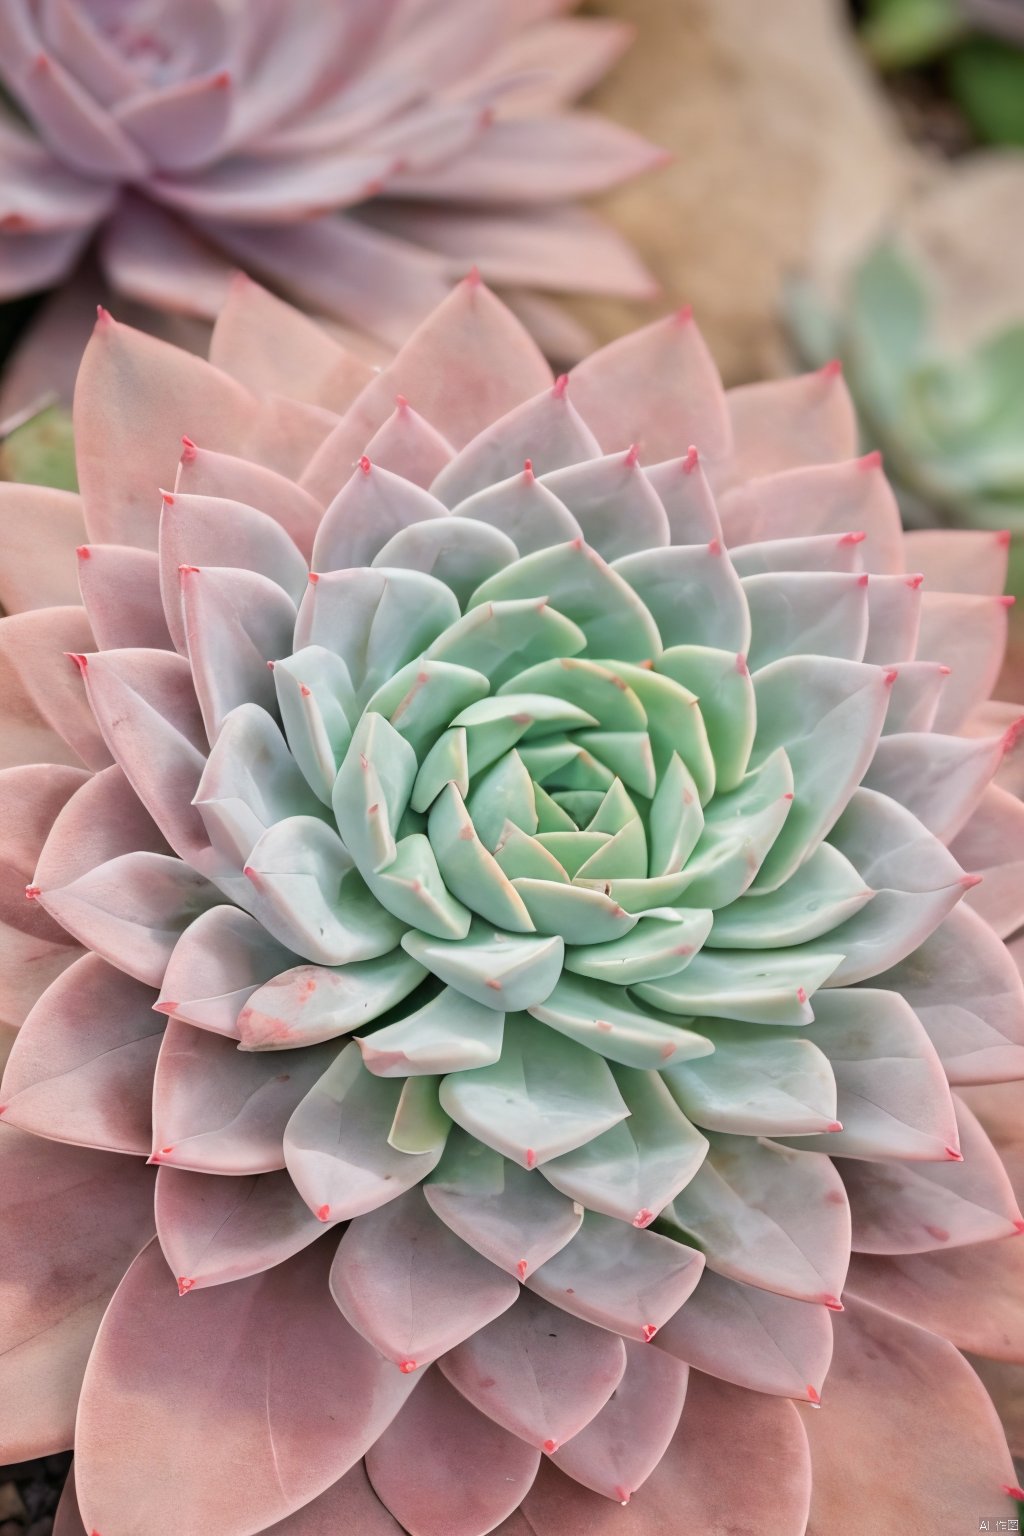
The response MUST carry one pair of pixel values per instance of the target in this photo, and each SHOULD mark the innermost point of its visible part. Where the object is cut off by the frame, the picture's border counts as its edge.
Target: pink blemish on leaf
(560, 386)
(643, 1218)
(468, 835)
(81, 662)
(188, 450)
(939, 1233)
(184, 1285)
(604, 1026)
(836, 1197)
(365, 465)
(1013, 735)
(891, 675)
(913, 582)
(649, 1330)
(521, 1269)
(813, 1396)
(833, 1303)
(323, 1213)
(691, 460)
(715, 547)
(632, 458)
(33, 892)
(531, 1158)
(833, 369)
(954, 1154)
(551, 1446)
(83, 552)
(314, 577)
(853, 538)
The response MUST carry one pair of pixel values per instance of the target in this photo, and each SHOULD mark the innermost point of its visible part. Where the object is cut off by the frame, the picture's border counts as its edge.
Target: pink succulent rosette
(510, 1035)
(358, 156)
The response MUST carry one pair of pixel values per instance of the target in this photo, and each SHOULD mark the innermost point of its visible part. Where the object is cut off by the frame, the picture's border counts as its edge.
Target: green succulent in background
(41, 451)
(950, 426)
(980, 43)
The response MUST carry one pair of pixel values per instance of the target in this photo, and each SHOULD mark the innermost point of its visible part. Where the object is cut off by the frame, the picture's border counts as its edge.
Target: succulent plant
(503, 910)
(978, 44)
(951, 427)
(358, 156)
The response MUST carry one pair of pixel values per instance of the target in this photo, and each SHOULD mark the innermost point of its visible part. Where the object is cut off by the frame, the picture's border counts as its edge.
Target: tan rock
(787, 155)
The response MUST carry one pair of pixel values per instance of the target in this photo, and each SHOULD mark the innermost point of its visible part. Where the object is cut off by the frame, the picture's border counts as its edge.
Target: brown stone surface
(786, 155)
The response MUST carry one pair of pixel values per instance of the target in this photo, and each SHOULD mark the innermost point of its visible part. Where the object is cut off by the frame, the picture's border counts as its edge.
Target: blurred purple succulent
(355, 155)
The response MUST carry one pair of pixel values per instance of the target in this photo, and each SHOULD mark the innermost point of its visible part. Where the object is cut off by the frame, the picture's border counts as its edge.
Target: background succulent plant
(358, 156)
(951, 427)
(523, 992)
(979, 44)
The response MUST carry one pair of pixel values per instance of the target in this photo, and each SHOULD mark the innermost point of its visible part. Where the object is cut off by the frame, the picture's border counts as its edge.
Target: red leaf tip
(33, 892)
(813, 1395)
(970, 881)
(323, 1213)
(1007, 600)
(531, 1158)
(184, 1285)
(167, 1007)
(684, 314)
(913, 582)
(1013, 735)
(83, 552)
(1003, 538)
(872, 460)
(401, 403)
(691, 460)
(632, 458)
(103, 316)
(407, 1367)
(954, 1155)
(1013, 1491)
(222, 80)
(643, 1217)
(521, 1269)
(167, 498)
(314, 577)
(715, 547)
(892, 673)
(833, 369)
(833, 1303)
(834, 1125)
(528, 469)
(649, 1330)
(622, 1494)
(560, 386)
(857, 537)
(801, 994)
(551, 1446)
(741, 666)
(365, 465)
(81, 662)
(1018, 1225)
(188, 450)
(473, 278)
